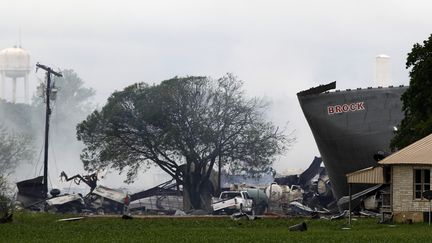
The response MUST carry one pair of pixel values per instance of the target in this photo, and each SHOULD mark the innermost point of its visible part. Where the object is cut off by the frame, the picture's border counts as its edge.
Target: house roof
(371, 175)
(419, 152)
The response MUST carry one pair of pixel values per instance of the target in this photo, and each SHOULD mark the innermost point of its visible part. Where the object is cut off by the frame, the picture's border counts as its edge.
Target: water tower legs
(14, 84)
(26, 89)
(2, 79)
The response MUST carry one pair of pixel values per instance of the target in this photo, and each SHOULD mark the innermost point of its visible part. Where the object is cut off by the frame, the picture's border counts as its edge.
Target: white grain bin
(382, 70)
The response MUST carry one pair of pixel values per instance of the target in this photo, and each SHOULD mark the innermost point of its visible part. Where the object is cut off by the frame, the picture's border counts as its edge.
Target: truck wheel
(229, 211)
(100, 211)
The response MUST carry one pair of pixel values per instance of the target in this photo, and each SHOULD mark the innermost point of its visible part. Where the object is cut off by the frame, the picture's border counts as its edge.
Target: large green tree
(417, 100)
(182, 125)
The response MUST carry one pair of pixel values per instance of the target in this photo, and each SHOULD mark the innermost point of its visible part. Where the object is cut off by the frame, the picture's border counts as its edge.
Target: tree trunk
(197, 197)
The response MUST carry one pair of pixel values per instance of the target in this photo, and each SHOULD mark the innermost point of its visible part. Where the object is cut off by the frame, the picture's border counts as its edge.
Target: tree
(70, 105)
(183, 125)
(17, 117)
(13, 150)
(73, 98)
(417, 99)
(72, 102)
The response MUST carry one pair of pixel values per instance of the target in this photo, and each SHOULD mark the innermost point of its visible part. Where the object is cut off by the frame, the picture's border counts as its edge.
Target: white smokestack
(382, 70)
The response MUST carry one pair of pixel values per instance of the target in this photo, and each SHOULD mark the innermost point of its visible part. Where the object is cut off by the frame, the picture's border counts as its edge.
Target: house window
(421, 182)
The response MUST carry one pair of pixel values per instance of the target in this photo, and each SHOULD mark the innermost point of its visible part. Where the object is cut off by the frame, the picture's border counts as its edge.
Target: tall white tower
(382, 70)
(14, 64)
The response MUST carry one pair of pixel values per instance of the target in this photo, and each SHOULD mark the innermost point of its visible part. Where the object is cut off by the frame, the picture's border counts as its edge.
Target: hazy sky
(277, 47)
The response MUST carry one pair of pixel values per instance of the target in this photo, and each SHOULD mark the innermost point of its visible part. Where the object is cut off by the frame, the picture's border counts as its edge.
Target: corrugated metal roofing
(419, 152)
(371, 175)
(345, 199)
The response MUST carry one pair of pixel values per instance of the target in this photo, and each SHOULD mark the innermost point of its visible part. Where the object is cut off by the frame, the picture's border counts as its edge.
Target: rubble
(305, 193)
(298, 227)
(70, 219)
(368, 199)
(125, 216)
(164, 198)
(99, 200)
(90, 180)
(72, 203)
(242, 216)
(30, 192)
(179, 212)
(308, 194)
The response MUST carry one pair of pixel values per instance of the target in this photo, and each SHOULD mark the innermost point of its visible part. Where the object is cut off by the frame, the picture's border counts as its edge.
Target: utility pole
(49, 71)
(219, 174)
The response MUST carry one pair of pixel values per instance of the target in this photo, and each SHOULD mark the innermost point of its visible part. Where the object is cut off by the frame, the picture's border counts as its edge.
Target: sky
(277, 48)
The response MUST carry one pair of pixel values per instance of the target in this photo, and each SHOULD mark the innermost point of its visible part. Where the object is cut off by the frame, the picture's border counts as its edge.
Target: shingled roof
(419, 153)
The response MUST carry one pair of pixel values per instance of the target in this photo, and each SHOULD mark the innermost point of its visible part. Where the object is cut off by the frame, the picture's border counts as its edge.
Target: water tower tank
(14, 62)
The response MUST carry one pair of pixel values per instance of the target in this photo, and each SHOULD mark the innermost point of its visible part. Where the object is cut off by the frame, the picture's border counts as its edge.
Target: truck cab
(231, 201)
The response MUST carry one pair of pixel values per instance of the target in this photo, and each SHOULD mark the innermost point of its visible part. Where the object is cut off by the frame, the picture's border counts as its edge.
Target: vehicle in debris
(259, 198)
(232, 201)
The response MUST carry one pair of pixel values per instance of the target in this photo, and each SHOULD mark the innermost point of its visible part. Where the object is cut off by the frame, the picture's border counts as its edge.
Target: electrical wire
(35, 166)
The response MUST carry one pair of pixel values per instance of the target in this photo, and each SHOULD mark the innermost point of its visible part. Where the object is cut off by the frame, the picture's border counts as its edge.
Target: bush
(5, 201)
(4, 206)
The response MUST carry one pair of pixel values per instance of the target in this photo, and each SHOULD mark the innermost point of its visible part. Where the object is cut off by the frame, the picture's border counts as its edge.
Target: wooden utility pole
(349, 205)
(49, 71)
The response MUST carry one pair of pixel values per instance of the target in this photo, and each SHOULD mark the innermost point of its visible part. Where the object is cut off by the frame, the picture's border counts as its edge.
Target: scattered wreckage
(99, 200)
(311, 188)
(165, 198)
(310, 194)
(102, 200)
(70, 203)
(307, 194)
(107, 200)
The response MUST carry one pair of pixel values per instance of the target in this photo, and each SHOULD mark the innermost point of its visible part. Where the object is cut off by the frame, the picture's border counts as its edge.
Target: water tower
(14, 64)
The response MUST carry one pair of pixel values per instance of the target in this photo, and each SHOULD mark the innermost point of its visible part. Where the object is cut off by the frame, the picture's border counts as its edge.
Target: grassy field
(31, 227)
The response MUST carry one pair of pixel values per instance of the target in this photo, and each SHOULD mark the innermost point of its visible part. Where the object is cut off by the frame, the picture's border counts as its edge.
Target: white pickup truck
(231, 201)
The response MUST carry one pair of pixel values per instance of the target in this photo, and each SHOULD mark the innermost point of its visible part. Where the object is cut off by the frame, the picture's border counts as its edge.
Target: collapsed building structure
(311, 189)
(99, 200)
(352, 129)
(306, 193)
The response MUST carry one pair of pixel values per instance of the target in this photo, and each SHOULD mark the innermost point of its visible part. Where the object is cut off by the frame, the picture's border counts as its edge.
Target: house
(408, 175)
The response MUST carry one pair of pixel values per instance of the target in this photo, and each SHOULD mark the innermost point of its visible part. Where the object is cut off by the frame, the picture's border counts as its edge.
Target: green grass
(32, 227)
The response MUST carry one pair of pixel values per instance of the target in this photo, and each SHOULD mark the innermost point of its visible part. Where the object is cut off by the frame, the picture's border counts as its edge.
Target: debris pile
(99, 200)
(305, 194)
